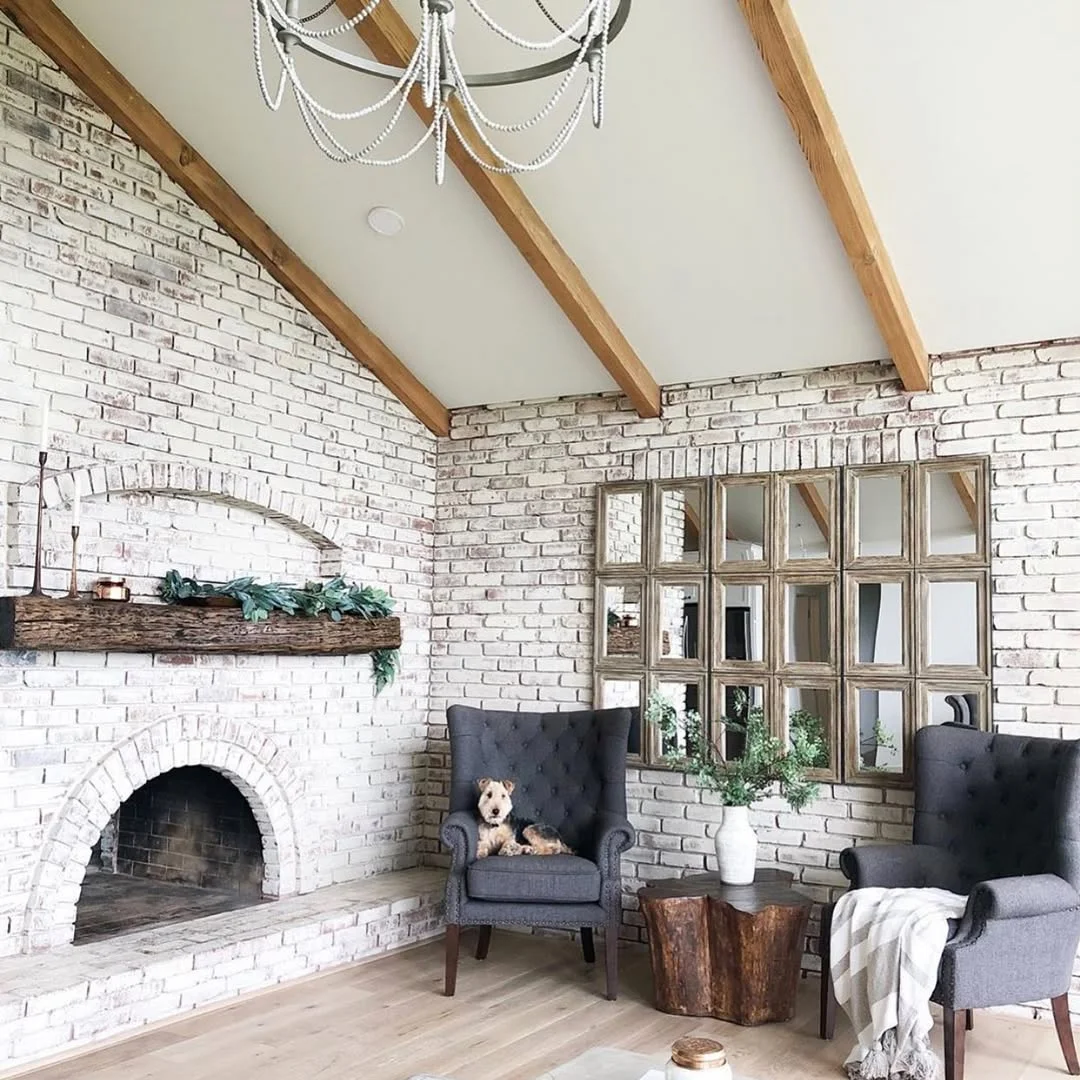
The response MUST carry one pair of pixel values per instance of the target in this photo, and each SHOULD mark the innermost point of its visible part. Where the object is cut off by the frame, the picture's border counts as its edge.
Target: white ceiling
(692, 212)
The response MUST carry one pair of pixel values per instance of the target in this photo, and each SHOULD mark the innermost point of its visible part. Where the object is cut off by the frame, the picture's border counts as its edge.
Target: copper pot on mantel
(114, 589)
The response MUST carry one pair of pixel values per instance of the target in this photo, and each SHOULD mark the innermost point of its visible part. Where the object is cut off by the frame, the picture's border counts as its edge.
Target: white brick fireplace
(219, 430)
(240, 751)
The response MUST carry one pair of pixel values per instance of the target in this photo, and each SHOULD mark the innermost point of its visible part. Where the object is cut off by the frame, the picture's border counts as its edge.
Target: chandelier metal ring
(493, 78)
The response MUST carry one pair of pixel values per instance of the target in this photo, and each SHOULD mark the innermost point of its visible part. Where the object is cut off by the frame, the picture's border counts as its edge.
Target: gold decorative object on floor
(698, 1059)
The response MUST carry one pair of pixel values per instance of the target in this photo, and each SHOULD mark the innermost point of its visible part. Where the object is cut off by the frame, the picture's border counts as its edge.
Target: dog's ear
(483, 783)
(509, 785)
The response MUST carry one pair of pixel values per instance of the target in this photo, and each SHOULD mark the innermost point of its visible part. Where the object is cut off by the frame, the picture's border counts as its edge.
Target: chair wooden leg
(954, 1043)
(827, 1023)
(828, 1006)
(587, 946)
(969, 1020)
(611, 957)
(483, 943)
(453, 942)
(1060, 1005)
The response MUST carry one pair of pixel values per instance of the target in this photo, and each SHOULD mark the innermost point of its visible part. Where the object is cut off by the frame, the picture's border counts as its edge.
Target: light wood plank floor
(531, 1006)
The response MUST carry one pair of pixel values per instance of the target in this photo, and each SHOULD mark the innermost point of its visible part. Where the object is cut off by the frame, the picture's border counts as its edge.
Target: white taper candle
(76, 505)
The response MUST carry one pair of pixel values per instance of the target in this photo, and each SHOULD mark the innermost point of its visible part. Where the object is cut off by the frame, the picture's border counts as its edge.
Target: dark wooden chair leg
(587, 946)
(969, 1020)
(611, 957)
(483, 943)
(954, 1043)
(827, 1026)
(453, 942)
(1060, 1005)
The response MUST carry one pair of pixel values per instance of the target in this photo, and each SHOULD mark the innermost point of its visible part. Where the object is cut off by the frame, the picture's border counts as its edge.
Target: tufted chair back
(567, 766)
(1004, 805)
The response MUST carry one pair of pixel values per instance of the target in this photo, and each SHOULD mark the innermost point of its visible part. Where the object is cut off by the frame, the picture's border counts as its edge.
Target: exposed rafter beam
(784, 51)
(391, 41)
(48, 28)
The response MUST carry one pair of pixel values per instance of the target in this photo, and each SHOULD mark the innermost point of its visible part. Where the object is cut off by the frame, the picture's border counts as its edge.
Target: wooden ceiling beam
(48, 28)
(783, 49)
(391, 41)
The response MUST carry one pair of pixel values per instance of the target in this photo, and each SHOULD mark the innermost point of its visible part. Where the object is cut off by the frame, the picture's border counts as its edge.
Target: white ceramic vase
(736, 847)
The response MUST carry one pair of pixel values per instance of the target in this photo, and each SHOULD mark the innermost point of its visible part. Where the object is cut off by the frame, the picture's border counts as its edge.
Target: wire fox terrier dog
(503, 834)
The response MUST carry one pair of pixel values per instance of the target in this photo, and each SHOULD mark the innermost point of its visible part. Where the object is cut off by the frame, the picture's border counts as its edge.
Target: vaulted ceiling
(692, 213)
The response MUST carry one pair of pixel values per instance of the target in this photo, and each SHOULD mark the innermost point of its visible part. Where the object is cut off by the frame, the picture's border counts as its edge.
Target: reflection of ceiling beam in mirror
(817, 507)
(392, 41)
(965, 489)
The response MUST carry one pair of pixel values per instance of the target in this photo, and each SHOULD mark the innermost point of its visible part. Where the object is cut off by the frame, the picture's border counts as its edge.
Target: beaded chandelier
(434, 69)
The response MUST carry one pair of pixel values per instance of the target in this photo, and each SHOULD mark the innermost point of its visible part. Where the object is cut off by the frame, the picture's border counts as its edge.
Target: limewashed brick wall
(514, 556)
(219, 429)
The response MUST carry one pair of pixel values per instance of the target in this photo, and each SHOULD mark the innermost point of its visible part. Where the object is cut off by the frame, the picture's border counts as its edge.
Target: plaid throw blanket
(886, 947)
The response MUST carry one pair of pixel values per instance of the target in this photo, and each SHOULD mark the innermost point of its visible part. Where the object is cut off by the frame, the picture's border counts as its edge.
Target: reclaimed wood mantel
(37, 623)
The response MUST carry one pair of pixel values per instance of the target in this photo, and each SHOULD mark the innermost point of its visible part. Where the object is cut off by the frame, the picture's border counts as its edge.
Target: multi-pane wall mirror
(853, 602)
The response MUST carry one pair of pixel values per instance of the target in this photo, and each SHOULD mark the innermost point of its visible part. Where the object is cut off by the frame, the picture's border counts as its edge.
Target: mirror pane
(809, 623)
(880, 526)
(624, 518)
(680, 524)
(881, 730)
(616, 693)
(744, 622)
(737, 704)
(681, 698)
(744, 522)
(952, 512)
(953, 707)
(952, 623)
(679, 609)
(622, 620)
(808, 519)
(808, 710)
(879, 622)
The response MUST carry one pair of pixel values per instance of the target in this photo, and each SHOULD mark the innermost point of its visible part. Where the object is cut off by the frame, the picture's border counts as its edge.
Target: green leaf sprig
(335, 598)
(765, 760)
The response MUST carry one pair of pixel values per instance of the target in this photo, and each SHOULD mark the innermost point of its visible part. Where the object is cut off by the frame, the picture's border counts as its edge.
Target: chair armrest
(898, 866)
(614, 835)
(461, 834)
(1020, 897)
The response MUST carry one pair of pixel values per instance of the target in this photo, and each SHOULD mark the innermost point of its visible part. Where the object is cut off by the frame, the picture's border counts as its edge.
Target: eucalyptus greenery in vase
(764, 763)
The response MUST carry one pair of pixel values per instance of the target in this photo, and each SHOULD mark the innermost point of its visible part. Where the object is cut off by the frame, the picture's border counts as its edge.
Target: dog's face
(495, 805)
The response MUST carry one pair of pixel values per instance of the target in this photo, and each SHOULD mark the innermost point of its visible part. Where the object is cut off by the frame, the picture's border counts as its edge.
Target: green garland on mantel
(335, 598)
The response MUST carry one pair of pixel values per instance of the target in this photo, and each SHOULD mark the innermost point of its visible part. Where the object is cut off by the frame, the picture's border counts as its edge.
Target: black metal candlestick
(73, 590)
(36, 589)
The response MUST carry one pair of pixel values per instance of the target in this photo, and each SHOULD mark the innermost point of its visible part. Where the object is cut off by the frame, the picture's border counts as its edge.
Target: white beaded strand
(435, 71)
(538, 46)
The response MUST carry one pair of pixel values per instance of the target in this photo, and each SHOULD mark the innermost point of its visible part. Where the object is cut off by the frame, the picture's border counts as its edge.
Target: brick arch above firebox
(240, 751)
(249, 490)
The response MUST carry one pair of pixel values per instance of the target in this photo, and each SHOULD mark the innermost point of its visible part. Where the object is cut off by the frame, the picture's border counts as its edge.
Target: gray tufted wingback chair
(569, 770)
(997, 819)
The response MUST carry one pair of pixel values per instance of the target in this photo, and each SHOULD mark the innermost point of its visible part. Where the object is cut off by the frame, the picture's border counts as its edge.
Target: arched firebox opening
(184, 845)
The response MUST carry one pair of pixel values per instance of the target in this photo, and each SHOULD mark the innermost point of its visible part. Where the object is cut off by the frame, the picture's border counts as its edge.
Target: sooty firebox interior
(185, 844)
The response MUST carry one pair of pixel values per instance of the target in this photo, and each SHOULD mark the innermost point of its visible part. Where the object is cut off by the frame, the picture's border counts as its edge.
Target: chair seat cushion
(550, 879)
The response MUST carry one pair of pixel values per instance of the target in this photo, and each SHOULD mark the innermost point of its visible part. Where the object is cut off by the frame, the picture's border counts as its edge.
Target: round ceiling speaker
(384, 221)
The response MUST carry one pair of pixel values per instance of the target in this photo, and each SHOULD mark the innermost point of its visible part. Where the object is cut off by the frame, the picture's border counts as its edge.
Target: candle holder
(73, 589)
(36, 589)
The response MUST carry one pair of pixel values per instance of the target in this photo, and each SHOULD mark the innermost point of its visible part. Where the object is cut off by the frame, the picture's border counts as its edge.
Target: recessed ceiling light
(384, 221)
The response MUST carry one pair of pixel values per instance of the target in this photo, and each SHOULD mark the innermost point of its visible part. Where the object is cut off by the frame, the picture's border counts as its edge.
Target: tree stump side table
(728, 951)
